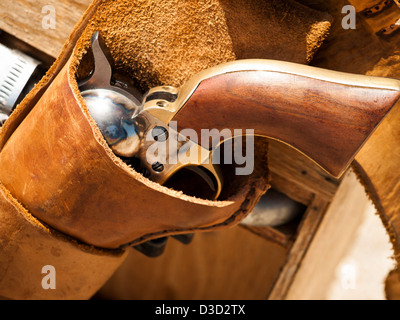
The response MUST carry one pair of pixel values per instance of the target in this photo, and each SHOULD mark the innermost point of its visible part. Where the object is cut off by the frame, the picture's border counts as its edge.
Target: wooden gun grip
(324, 114)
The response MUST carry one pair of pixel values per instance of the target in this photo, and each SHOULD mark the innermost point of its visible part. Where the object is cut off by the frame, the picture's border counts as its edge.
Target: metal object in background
(18, 75)
(273, 210)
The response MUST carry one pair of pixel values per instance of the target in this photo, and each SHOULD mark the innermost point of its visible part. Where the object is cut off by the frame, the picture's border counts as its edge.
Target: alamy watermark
(238, 148)
(348, 276)
(349, 20)
(49, 19)
(49, 280)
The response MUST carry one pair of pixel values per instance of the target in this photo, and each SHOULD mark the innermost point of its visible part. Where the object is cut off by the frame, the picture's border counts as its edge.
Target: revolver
(326, 115)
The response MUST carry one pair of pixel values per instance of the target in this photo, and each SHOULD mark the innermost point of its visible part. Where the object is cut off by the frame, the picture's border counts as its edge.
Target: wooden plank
(270, 234)
(296, 168)
(307, 229)
(330, 242)
(23, 19)
(293, 189)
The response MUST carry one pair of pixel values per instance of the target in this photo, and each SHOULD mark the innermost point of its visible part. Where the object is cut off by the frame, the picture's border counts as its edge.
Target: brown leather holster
(66, 199)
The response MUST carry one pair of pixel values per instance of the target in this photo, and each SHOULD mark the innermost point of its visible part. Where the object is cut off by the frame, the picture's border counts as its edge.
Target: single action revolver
(326, 115)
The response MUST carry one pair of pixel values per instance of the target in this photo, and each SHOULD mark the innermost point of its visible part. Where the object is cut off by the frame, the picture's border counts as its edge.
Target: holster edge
(27, 245)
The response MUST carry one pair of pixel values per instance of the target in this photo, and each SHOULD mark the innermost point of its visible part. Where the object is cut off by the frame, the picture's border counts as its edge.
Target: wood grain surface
(307, 229)
(326, 120)
(331, 241)
(23, 19)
